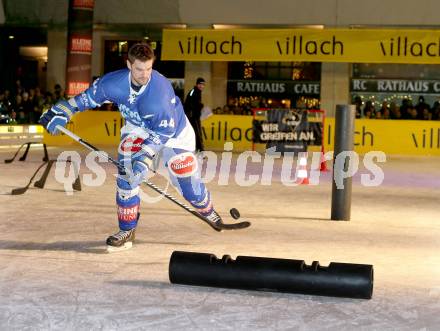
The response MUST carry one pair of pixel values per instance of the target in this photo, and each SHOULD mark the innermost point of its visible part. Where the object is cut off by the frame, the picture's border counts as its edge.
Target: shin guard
(127, 201)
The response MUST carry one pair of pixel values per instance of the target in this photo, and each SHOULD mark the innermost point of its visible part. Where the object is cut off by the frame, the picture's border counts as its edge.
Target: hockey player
(155, 123)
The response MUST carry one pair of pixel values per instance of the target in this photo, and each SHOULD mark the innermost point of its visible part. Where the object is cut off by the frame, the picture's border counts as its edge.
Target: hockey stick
(41, 182)
(22, 190)
(23, 157)
(76, 185)
(218, 226)
(16, 153)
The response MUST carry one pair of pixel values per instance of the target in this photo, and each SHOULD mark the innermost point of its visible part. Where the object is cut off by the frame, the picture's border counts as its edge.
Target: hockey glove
(59, 114)
(136, 167)
(140, 170)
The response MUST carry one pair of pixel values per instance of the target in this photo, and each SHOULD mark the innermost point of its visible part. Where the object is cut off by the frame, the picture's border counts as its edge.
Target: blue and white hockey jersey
(155, 107)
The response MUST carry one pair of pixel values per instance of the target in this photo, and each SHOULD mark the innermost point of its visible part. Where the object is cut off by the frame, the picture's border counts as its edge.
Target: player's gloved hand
(59, 114)
(138, 173)
(136, 168)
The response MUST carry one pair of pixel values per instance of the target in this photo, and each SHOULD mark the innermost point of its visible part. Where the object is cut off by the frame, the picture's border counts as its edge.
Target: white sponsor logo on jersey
(130, 144)
(183, 165)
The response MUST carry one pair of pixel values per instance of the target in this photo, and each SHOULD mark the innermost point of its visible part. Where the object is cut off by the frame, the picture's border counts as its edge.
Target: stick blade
(39, 184)
(19, 191)
(234, 226)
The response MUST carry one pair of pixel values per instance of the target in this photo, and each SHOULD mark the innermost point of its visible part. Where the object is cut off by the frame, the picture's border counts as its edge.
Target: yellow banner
(219, 129)
(398, 137)
(393, 137)
(319, 45)
(21, 129)
(96, 127)
(403, 137)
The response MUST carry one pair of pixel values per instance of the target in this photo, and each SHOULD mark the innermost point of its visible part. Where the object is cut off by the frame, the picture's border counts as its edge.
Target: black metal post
(344, 144)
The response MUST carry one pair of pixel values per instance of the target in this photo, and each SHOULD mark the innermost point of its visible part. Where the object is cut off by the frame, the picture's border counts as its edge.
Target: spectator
(369, 110)
(4, 111)
(18, 88)
(13, 119)
(358, 104)
(404, 108)
(19, 110)
(58, 95)
(28, 109)
(436, 111)
(193, 109)
(386, 114)
(8, 100)
(421, 106)
(226, 110)
(384, 106)
(412, 113)
(426, 114)
(31, 94)
(246, 110)
(395, 113)
(38, 99)
(47, 102)
(3, 107)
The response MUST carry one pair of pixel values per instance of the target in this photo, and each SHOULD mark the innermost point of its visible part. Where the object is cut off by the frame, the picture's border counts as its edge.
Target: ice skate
(214, 218)
(120, 241)
(216, 222)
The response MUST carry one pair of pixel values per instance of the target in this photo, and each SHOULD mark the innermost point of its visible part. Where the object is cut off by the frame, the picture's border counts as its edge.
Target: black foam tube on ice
(270, 274)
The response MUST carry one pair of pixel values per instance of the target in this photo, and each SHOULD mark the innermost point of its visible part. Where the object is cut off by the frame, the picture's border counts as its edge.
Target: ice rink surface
(56, 275)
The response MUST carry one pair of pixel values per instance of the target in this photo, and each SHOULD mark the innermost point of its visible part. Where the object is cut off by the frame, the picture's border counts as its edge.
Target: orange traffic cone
(302, 174)
(323, 167)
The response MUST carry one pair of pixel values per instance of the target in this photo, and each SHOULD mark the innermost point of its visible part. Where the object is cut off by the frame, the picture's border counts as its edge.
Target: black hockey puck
(235, 213)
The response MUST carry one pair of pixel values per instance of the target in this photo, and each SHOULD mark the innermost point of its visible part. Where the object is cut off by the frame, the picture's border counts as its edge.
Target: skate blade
(113, 249)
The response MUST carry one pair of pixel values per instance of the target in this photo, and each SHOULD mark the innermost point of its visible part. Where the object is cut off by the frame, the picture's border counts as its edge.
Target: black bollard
(270, 274)
(344, 143)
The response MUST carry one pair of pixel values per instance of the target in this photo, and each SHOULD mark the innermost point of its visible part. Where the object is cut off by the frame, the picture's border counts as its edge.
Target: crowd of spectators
(25, 105)
(406, 110)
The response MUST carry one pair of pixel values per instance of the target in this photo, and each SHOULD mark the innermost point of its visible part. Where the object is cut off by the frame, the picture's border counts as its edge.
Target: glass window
(410, 83)
(285, 73)
(396, 71)
(240, 102)
(275, 70)
(273, 73)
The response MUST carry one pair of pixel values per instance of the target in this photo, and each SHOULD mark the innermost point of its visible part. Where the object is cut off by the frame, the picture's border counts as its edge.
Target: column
(219, 84)
(79, 50)
(335, 86)
(194, 69)
(56, 58)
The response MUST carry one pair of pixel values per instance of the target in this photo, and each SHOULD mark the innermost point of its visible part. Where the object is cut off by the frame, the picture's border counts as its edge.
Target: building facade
(117, 23)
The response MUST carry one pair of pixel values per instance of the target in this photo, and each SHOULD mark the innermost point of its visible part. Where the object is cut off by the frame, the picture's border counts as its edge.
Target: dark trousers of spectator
(197, 126)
